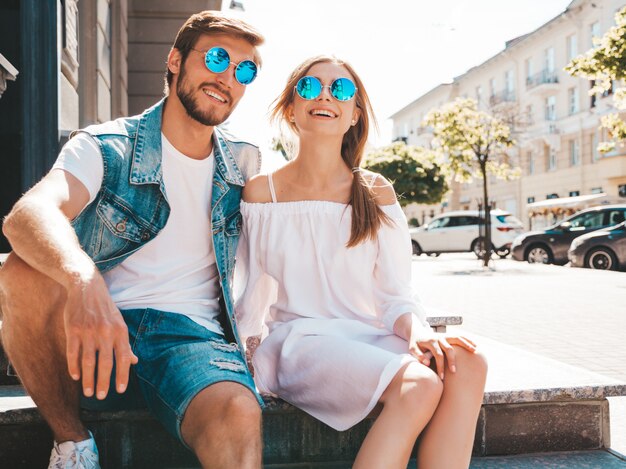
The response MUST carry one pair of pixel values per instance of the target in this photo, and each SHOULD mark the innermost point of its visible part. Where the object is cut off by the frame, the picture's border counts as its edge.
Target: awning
(565, 202)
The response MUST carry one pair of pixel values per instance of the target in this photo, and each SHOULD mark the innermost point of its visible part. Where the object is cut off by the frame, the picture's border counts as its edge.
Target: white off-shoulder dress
(329, 310)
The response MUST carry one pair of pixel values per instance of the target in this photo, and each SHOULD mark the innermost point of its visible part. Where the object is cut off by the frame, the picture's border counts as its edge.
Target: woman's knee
(471, 366)
(414, 385)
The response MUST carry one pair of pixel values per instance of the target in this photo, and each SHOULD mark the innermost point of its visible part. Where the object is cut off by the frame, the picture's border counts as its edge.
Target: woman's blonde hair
(367, 216)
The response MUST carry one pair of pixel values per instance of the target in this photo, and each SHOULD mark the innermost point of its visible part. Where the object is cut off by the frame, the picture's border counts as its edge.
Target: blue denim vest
(131, 207)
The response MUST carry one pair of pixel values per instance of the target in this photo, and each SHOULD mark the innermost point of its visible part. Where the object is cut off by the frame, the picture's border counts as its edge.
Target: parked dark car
(602, 249)
(551, 245)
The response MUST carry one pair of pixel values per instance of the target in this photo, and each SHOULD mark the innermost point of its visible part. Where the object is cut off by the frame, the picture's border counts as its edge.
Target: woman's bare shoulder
(257, 190)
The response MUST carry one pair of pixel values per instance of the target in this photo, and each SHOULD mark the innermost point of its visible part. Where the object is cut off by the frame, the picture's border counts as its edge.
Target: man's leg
(223, 427)
(34, 338)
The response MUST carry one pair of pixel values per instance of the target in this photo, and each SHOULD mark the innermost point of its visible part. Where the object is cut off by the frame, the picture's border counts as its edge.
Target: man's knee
(26, 291)
(216, 418)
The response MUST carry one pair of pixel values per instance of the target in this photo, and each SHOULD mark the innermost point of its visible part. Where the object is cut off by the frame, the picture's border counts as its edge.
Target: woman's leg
(408, 404)
(447, 441)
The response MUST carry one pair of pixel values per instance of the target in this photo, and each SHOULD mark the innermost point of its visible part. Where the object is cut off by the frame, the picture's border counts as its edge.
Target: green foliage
(413, 222)
(473, 142)
(417, 174)
(277, 145)
(604, 63)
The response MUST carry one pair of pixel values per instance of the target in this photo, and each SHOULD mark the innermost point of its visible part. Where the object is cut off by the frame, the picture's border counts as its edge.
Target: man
(130, 240)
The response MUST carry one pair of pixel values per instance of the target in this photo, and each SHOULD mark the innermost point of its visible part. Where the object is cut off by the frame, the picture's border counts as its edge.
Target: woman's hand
(425, 344)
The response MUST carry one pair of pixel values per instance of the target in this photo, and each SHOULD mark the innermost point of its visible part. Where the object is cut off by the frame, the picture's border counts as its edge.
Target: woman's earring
(292, 119)
(353, 121)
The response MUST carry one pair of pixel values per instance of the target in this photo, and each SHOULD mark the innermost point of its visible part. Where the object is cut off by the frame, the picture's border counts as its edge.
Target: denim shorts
(178, 358)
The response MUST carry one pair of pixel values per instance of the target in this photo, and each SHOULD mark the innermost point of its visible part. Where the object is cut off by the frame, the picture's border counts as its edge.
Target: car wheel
(417, 250)
(538, 254)
(601, 259)
(503, 252)
(478, 247)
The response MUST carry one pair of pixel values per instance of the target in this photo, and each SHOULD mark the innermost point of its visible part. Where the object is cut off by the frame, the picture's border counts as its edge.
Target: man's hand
(96, 332)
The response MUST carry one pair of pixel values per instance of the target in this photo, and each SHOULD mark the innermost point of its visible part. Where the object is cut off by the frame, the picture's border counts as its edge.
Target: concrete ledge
(557, 407)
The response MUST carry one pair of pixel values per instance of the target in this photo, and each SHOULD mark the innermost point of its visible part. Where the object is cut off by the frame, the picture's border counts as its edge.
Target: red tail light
(505, 228)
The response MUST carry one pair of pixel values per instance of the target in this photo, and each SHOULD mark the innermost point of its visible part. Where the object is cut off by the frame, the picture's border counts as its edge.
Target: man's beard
(185, 95)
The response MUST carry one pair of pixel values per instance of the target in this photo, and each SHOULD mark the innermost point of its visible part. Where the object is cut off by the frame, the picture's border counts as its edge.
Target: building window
(479, 94)
(595, 154)
(509, 82)
(621, 190)
(552, 196)
(596, 190)
(531, 163)
(529, 114)
(551, 108)
(574, 153)
(492, 87)
(572, 47)
(594, 31)
(548, 60)
(528, 65)
(572, 96)
(592, 102)
(574, 193)
(530, 200)
(551, 159)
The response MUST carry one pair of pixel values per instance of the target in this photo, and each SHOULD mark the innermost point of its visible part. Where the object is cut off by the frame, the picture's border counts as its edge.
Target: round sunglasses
(217, 60)
(342, 89)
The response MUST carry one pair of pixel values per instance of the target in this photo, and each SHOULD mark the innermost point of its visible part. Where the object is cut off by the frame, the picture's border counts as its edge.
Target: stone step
(532, 404)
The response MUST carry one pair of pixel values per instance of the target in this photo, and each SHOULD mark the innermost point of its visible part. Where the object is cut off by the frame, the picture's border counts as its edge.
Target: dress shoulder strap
(271, 184)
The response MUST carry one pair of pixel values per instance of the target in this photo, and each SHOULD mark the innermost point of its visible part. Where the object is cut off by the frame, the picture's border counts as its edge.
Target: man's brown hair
(211, 22)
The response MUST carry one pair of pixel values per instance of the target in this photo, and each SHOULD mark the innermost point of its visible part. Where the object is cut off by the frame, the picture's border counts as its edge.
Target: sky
(401, 49)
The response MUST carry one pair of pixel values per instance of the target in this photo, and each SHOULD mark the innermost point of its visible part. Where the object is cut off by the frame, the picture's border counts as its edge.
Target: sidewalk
(575, 316)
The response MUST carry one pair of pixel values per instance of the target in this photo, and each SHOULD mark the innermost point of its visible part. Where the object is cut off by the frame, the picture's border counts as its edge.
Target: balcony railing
(505, 96)
(542, 78)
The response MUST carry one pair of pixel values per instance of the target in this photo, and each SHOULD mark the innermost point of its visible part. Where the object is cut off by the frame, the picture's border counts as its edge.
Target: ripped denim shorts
(178, 358)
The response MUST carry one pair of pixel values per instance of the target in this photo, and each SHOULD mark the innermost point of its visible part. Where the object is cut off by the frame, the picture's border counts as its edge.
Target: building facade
(556, 120)
(80, 62)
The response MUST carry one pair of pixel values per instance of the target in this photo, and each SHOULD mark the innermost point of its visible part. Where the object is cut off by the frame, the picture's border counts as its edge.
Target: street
(576, 316)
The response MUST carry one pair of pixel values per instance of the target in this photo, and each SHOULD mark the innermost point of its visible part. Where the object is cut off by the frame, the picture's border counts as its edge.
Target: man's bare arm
(40, 233)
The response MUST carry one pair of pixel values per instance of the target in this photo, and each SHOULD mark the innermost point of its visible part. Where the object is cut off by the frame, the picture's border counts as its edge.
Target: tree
(474, 144)
(277, 145)
(416, 173)
(603, 64)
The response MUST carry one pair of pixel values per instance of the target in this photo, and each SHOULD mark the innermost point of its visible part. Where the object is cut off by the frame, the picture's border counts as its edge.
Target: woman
(327, 254)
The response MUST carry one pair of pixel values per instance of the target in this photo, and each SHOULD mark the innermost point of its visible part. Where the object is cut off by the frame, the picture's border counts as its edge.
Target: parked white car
(458, 231)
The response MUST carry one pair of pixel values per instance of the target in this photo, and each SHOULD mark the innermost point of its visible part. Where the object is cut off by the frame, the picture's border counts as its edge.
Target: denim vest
(131, 207)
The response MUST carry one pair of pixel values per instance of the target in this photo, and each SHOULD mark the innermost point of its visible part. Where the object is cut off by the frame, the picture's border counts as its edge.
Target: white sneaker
(71, 455)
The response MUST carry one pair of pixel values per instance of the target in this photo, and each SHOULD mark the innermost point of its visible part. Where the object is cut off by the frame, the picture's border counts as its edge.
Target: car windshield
(587, 220)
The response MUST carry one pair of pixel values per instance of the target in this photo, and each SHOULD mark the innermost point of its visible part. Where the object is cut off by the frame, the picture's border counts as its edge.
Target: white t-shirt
(176, 271)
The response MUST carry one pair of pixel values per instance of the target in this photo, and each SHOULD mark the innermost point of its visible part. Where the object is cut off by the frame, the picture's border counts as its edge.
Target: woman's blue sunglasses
(342, 89)
(217, 60)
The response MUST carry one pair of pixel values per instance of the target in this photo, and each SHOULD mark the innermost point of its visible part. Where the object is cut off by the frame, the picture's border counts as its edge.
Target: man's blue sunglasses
(342, 89)
(217, 60)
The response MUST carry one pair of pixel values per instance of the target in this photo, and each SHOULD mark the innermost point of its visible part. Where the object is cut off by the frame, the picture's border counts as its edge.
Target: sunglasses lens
(217, 60)
(343, 89)
(309, 87)
(246, 72)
